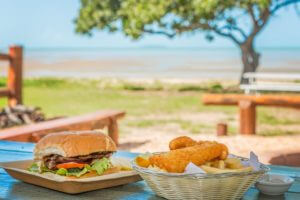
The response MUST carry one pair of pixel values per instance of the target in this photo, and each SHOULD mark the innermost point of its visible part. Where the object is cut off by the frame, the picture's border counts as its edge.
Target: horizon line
(36, 48)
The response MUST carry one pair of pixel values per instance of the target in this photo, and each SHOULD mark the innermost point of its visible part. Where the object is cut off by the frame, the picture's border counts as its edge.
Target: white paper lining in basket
(191, 168)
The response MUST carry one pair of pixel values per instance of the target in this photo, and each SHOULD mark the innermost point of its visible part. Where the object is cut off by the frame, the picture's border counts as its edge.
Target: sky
(49, 23)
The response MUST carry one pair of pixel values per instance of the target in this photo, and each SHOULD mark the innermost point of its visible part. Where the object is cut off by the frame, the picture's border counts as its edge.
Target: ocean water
(156, 62)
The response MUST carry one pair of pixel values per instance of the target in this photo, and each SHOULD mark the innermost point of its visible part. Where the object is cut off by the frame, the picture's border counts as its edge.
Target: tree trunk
(250, 59)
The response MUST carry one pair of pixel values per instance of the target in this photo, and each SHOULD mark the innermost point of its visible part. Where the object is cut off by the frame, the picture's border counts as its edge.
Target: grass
(186, 125)
(66, 97)
(267, 118)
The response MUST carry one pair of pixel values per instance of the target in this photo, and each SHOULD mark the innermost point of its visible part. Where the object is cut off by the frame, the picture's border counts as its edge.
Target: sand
(145, 66)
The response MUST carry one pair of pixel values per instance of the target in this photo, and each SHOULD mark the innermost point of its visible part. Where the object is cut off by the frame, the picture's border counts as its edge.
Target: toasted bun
(70, 144)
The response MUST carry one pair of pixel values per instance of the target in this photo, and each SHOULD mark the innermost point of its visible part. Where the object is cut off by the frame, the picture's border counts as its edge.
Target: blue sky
(49, 23)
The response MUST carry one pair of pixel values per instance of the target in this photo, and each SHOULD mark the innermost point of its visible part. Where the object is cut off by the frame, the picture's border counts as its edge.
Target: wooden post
(113, 130)
(14, 82)
(221, 129)
(247, 117)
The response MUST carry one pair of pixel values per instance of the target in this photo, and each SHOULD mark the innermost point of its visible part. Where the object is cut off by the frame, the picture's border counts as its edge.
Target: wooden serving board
(17, 169)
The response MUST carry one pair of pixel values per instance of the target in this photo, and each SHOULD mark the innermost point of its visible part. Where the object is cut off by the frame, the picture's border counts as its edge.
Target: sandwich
(74, 154)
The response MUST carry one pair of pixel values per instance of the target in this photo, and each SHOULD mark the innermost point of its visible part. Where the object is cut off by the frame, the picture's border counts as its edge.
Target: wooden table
(14, 189)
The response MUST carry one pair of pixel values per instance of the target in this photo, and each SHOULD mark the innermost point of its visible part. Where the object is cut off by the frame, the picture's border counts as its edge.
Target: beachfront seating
(34, 132)
(247, 105)
(271, 82)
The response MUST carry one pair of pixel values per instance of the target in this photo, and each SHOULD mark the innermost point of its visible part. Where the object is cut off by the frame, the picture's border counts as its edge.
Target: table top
(11, 188)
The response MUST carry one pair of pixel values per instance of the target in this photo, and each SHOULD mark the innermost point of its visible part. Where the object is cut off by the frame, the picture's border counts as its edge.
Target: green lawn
(143, 102)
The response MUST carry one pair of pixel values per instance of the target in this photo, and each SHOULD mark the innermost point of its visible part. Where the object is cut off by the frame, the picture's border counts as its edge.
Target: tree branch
(251, 12)
(190, 27)
(219, 32)
(229, 27)
(170, 35)
(257, 27)
(207, 26)
(285, 3)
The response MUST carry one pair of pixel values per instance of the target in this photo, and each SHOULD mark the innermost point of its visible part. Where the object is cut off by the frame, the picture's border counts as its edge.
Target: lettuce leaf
(62, 172)
(34, 168)
(101, 165)
(76, 172)
(45, 169)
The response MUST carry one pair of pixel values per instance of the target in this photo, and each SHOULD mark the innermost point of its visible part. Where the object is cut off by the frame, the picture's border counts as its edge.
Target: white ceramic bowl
(274, 184)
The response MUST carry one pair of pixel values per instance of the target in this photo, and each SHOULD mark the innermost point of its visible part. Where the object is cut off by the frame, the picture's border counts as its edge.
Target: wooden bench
(248, 103)
(34, 132)
(282, 82)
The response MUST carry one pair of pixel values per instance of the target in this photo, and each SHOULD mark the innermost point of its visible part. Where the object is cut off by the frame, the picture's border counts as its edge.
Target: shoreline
(138, 69)
(184, 64)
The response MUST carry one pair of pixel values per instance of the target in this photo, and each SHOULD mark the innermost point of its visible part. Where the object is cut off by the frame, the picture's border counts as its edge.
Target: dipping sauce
(274, 184)
(272, 179)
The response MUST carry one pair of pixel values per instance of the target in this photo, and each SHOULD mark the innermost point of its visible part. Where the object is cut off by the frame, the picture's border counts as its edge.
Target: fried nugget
(185, 141)
(177, 160)
(142, 162)
(181, 142)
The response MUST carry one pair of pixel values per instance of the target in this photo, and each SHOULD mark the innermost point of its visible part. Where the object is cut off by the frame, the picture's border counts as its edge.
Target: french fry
(221, 164)
(218, 164)
(233, 163)
(142, 162)
(208, 164)
(214, 170)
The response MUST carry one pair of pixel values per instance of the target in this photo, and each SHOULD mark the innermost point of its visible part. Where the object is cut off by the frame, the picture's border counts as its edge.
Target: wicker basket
(200, 186)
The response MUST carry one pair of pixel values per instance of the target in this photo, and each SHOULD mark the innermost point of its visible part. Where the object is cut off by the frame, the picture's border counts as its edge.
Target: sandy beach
(185, 64)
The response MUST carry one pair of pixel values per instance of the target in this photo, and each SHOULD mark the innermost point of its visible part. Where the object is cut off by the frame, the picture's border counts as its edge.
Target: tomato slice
(70, 165)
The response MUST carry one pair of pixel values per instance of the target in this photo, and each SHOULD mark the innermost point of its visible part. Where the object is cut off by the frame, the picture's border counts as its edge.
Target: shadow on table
(269, 197)
(286, 196)
(130, 145)
(292, 159)
(24, 191)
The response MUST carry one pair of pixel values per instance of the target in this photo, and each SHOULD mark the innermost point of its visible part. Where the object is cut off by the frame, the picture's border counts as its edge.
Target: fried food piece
(181, 142)
(224, 154)
(177, 160)
(184, 141)
(142, 162)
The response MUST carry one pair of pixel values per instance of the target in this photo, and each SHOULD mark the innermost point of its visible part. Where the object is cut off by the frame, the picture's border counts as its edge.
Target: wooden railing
(248, 103)
(13, 90)
(97, 120)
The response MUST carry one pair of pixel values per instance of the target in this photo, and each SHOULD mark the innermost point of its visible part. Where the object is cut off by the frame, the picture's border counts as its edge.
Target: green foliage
(169, 17)
(45, 82)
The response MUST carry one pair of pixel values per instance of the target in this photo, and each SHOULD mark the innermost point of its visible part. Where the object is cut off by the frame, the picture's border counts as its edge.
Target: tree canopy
(171, 17)
(238, 20)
